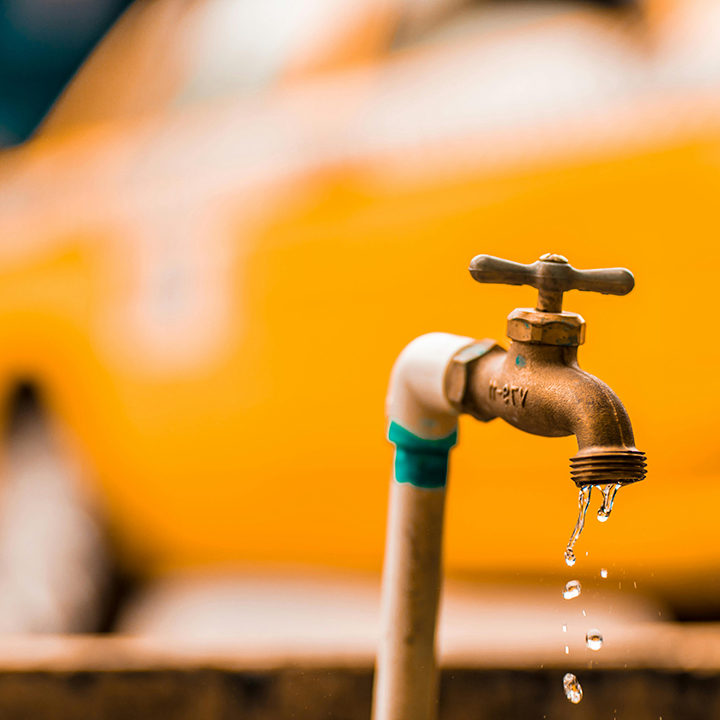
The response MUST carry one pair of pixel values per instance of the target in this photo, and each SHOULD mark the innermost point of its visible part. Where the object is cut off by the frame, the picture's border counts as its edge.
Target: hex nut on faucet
(563, 328)
(458, 372)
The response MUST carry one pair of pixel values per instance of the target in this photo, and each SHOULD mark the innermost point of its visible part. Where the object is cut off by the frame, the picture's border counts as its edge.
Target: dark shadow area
(40, 471)
(42, 44)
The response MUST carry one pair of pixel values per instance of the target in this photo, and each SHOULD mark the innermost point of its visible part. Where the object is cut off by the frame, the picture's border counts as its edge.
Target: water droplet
(572, 589)
(583, 502)
(564, 628)
(609, 492)
(603, 573)
(594, 640)
(567, 650)
(573, 689)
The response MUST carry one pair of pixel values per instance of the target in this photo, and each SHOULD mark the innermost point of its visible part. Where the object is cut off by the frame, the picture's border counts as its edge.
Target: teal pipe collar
(420, 462)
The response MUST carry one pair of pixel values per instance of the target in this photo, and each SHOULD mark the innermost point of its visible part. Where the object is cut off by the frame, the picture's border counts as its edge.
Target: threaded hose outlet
(608, 467)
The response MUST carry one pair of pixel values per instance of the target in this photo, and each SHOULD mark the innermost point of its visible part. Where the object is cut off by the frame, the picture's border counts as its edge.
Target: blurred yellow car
(211, 258)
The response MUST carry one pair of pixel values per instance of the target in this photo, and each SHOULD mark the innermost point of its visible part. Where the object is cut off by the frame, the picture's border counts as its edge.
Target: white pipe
(423, 424)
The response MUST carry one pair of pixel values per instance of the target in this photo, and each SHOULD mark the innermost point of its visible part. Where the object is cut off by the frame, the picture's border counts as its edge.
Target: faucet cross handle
(551, 275)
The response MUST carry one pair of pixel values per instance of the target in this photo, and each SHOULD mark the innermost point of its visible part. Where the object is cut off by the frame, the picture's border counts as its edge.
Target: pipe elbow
(423, 422)
(416, 398)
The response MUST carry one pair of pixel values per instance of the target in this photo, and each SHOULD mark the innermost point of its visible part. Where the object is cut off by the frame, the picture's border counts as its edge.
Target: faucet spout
(606, 443)
(542, 390)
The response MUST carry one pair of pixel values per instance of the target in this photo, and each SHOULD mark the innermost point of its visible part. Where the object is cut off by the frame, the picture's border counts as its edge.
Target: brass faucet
(537, 384)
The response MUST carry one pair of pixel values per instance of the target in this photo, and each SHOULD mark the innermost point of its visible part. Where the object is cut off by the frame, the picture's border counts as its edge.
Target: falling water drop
(567, 650)
(583, 502)
(564, 628)
(594, 640)
(609, 492)
(572, 589)
(603, 573)
(573, 689)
